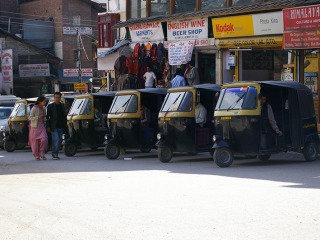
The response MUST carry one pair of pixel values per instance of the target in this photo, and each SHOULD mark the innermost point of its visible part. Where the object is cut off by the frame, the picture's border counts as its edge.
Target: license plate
(165, 119)
(113, 120)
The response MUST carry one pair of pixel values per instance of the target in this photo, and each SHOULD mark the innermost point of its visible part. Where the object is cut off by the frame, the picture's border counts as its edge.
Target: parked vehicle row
(235, 121)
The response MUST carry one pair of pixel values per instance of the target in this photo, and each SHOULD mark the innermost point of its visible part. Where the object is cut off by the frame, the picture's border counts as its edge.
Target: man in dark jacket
(56, 123)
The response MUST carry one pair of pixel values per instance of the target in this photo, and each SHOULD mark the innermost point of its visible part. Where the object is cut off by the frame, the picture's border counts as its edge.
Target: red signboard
(302, 39)
(301, 18)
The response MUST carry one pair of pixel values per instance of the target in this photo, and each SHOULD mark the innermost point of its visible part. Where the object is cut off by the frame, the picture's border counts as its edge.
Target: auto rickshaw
(243, 127)
(18, 124)
(127, 128)
(178, 130)
(84, 129)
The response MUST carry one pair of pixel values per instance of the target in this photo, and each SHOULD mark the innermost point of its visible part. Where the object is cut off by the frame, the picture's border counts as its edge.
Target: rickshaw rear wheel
(112, 151)
(264, 157)
(223, 157)
(145, 149)
(69, 150)
(165, 154)
(310, 152)
(9, 146)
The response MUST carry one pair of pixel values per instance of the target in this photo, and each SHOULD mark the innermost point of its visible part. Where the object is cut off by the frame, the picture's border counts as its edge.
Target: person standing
(56, 123)
(192, 74)
(150, 78)
(38, 138)
(178, 80)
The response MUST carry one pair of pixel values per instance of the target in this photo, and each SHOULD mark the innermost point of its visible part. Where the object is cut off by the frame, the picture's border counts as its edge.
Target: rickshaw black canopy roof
(105, 94)
(161, 91)
(208, 86)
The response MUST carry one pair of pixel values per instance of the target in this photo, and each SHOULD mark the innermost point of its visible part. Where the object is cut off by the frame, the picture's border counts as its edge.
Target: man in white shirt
(201, 114)
(150, 78)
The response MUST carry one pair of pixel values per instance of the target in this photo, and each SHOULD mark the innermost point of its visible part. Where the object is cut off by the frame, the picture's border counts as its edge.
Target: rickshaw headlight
(4, 134)
(159, 136)
(2, 128)
(63, 136)
(106, 137)
(216, 138)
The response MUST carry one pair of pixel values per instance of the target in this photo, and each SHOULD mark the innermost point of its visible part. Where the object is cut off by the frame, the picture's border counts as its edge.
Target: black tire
(112, 151)
(223, 157)
(165, 154)
(145, 149)
(264, 157)
(9, 146)
(310, 152)
(69, 150)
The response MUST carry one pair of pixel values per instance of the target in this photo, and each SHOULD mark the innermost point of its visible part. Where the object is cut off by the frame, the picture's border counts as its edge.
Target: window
(125, 104)
(206, 4)
(245, 2)
(76, 20)
(178, 101)
(237, 98)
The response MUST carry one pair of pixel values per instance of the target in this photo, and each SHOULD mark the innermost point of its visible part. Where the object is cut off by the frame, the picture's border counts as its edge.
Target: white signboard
(73, 30)
(268, 23)
(74, 72)
(188, 30)
(180, 52)
(7, 73)
(34, 70)
(146, 32)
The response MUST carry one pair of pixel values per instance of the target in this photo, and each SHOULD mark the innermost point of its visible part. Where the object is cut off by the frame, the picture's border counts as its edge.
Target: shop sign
(80, 87)
(252, 42)
(180, 52)
(311, 81)
(231, 60)
(197, 43)
(302, 40)
(74, 72)
(34, 70)
(7, 73)
(73, 30)
(146, 32)
(188, 29)
(301, 18)
(248, 25)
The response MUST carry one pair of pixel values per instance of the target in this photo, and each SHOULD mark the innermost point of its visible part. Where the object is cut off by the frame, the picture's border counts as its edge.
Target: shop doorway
(207, 68)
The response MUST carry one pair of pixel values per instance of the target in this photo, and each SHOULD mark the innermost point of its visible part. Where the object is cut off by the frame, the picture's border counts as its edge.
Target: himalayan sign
(74, 72)
(188, 30)
(146, 32)
(180, 52)
(248, 25)
(34, 70)
(7, 73)
(302, 27)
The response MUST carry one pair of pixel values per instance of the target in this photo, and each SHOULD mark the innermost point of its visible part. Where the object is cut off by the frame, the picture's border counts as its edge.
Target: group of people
(53, 120)
(182, 77)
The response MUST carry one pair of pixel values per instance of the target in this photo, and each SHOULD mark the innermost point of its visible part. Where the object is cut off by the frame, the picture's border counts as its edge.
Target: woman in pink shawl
(38, 138)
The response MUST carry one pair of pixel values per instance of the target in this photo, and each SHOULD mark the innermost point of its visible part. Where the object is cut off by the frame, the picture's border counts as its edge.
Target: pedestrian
(178, 80)
(56, 123)
(38, 138)
(150, 78)
(192, 74)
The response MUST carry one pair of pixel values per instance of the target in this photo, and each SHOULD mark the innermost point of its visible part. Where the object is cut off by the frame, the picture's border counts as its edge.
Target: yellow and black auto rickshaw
(245, 125)
(182, 128)
(132, 120)
(18, 123)
(87, 121)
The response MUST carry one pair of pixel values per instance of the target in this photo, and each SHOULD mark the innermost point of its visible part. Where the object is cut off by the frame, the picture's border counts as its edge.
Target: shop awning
(218, 12)
(249, 42)
(114, 48)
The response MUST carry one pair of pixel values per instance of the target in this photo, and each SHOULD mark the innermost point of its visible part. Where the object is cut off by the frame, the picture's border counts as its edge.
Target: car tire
(223, 157)
(112, 151)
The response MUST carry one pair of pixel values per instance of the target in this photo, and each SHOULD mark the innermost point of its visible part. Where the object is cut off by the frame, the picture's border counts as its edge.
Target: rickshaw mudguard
(8, 138)
(162, 143)
(111, 141)
(221, 144)
(312, 138)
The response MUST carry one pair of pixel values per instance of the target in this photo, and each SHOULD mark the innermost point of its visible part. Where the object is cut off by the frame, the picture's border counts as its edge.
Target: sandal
(43, 158)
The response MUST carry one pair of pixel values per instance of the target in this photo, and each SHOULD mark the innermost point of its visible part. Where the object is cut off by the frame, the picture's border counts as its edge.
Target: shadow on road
(290, 168)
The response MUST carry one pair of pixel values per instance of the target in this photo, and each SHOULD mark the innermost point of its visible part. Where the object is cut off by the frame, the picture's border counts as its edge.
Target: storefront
(251, 47)
(302, 35)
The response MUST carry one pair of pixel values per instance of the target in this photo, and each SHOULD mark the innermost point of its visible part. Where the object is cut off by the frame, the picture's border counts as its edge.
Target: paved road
(89, 197)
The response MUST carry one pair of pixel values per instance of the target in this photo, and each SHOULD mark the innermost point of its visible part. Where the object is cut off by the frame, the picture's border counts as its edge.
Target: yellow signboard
(80, 86)
(250, 42)
(233, 26)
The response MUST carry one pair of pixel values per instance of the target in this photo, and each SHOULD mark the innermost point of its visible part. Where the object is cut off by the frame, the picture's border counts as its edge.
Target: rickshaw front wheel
(223, 157)
(165, 154)
(310, 152)
(69, 150)
(9, 146)
(112, 151)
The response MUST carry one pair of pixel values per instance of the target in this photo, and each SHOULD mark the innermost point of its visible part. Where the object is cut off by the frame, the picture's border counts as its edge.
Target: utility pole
(79, 56)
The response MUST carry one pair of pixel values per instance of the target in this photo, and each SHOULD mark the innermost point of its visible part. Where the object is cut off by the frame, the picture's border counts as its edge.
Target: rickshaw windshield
(81, 106)
(19, 110)
(177, 102)
(125, 104)
(237, 98)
